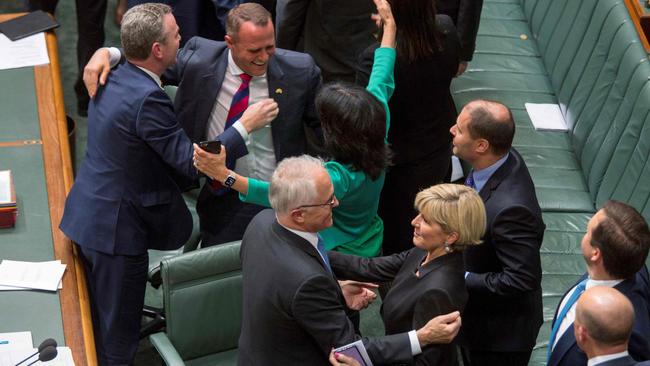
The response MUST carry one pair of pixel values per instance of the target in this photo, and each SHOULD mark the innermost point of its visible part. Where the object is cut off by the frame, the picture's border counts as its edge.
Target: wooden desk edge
(75, 304)
(637, 14)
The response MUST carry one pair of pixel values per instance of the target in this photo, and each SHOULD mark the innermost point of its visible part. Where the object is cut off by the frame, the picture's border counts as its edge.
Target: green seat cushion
(226, 358)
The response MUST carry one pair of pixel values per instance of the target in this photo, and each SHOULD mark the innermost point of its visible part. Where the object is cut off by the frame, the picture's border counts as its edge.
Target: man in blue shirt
(504, 310)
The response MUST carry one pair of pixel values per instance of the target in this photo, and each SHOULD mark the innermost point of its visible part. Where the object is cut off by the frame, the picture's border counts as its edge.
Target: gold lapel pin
(278, 91)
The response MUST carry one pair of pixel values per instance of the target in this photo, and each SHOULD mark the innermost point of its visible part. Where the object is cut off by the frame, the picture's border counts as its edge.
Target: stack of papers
(8, 206)
(17, 275)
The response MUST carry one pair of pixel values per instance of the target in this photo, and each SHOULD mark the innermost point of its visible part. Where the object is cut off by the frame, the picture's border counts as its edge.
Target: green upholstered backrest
(171, 91)
(598, 70)
(202, 293)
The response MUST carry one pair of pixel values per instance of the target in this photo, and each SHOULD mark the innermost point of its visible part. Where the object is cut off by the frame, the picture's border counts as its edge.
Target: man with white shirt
(294, 311)
(215, 81)
(603, 324)
(615, 249)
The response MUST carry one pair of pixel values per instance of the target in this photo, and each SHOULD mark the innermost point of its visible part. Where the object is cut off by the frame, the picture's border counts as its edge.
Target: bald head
(493, 122)
(606, 315)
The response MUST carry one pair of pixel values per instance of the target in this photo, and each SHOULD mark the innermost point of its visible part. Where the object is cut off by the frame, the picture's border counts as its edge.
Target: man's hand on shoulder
(440, 330)
(97, 70)
(259, 114)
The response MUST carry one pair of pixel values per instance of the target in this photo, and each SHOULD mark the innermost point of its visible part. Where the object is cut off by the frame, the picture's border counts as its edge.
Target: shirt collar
(600, 359)
(233, 69)
(481, 176)
(608, 283)
(312, 238)
(155, 77)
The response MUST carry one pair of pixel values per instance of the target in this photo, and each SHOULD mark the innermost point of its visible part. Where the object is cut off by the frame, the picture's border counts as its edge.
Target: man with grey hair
(603, 325)
(294, 311)
(126, 198)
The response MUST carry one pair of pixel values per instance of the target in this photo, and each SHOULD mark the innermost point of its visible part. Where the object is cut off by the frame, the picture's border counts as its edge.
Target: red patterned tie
(237, 107)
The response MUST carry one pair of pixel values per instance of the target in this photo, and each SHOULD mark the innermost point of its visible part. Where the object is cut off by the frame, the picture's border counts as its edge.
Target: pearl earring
(448, 248)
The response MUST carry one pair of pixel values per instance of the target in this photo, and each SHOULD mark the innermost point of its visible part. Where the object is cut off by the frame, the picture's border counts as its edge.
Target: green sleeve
(382, 80)
(258, 193)
(340, 178)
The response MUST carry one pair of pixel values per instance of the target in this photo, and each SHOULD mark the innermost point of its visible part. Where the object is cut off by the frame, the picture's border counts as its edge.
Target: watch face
(229, 181)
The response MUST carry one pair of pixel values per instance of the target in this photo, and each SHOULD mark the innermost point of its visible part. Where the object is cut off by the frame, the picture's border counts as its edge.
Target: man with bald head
(504, 310)
(603, 325)
(615, 248)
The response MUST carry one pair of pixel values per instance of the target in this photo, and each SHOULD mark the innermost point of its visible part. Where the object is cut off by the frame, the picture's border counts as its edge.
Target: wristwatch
(230, 179)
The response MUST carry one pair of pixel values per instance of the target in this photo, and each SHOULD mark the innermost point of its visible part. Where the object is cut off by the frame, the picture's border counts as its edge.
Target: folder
(27, 25)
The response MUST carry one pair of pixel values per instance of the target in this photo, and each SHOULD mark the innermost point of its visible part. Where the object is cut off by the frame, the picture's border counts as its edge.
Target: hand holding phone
(213, 147)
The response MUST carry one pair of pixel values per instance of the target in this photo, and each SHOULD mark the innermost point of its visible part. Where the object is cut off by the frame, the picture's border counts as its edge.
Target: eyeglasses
(330, 202)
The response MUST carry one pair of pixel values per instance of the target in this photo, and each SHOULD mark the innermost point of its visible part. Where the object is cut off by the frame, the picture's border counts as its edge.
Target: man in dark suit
(615, 249)
(209, 75)
(503, 279)
(126, 198)
(603, 324)
(294, 311)
(334, 32)
(466, 15)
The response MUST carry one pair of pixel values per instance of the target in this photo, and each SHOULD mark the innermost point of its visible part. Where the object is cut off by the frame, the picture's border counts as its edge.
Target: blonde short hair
(456, 208)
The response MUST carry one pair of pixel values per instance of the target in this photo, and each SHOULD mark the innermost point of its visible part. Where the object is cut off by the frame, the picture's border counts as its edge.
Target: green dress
(357, 228)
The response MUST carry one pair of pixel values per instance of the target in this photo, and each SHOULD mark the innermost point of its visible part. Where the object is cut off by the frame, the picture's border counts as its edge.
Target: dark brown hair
(623, 238)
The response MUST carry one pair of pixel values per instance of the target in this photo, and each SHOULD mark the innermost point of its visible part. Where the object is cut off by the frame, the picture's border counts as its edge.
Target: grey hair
(292, 183)
(142, 25)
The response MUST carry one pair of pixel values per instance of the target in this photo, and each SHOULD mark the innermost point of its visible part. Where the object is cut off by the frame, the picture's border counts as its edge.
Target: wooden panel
(637, 13)
(75, 304)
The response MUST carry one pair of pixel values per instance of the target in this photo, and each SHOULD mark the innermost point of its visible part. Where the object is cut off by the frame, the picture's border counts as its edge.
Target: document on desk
(29, 51)
(12, 357)
(33, 275)
(16, 340)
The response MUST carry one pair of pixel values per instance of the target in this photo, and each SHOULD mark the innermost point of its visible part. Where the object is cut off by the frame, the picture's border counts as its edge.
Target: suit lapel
(278, 91)
(496, 178)
(207, 92)
(300, 243)
(565, 343)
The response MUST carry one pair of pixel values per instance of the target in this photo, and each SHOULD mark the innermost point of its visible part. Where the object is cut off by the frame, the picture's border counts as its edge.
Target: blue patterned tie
(321, 249)
(580, 288)
(469, 181)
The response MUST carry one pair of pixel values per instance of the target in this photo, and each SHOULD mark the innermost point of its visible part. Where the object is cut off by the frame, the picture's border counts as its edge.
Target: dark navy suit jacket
(127, 195)
(567, 352)
(504, 310)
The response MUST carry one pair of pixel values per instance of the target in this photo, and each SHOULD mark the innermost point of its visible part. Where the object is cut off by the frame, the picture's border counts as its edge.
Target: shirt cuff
(241, 129)
(115, 56)
(415, 343)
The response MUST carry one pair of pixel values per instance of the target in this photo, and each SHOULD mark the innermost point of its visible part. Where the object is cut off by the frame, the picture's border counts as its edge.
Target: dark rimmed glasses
(330, 202)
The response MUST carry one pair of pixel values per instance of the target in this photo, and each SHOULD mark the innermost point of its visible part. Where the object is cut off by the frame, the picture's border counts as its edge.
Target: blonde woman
(428, 278)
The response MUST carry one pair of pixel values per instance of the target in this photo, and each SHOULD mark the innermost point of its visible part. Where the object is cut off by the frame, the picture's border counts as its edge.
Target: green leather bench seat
(585, 56)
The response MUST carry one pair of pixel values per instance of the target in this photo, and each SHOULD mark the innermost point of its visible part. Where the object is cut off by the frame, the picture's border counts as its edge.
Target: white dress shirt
(571, 314)
(600, 359)
(260, 162)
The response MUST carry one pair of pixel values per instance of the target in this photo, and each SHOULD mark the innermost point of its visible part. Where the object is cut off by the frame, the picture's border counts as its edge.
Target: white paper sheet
(28, 51)
(5, 187)
(16, 340)
(12, 357)
(546, 117)
(33, 275)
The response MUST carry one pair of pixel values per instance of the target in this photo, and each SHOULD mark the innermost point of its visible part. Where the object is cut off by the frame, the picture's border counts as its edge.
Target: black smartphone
(211, 146)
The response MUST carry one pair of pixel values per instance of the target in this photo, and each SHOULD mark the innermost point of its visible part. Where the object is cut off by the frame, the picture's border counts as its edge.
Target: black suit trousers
(116, 284)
